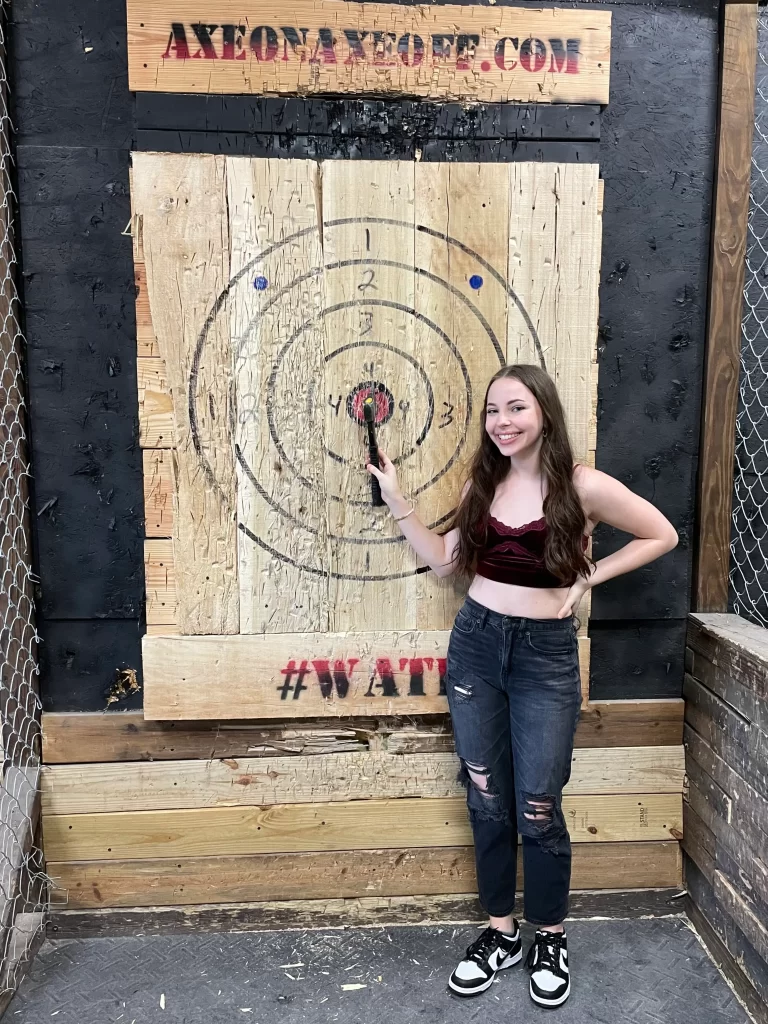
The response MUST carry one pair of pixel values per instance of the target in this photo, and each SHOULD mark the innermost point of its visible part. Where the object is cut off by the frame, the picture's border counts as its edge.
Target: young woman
(520, 531)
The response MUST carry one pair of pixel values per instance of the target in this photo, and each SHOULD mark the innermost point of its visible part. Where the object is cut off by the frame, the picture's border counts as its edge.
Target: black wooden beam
(357, 118)
(325, 147)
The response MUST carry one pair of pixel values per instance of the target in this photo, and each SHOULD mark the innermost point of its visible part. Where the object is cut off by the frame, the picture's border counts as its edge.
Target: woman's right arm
(436, 550)
(430, 547)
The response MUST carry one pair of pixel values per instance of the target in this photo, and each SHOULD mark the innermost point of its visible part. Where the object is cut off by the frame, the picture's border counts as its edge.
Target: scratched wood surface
(145, 332)
(369, 341)
(295, 675)
(158, 492)
(186, 881)
(471, 53)
(99, 788)
(180, 224)
(160, 577)
(270, 203)
(553, 268)
(353, 825)
(156, 419)
(463, 203)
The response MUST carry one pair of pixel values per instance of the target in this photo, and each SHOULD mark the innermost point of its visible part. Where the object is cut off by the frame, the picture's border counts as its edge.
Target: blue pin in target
(476, 282)
(260, 282)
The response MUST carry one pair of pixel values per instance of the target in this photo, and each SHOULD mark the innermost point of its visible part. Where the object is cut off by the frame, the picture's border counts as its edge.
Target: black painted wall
(76, 125)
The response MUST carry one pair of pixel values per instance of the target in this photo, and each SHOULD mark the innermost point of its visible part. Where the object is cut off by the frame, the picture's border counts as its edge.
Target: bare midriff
(509, 599)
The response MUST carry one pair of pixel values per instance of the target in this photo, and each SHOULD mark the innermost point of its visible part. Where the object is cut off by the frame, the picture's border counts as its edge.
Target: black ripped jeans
(514, 693)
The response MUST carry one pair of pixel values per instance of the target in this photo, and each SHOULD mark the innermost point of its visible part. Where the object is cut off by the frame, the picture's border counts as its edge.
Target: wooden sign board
(488, 54)
(299, 675)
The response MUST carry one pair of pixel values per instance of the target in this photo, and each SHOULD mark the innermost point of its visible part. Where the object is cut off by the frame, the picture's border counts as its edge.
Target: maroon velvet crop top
(515, 554)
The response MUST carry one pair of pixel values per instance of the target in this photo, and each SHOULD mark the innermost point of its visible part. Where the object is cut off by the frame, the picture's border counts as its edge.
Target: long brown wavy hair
(566, 522)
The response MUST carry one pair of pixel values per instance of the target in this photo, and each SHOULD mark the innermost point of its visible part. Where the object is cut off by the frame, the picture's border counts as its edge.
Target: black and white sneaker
(547, 961)
(492, 951)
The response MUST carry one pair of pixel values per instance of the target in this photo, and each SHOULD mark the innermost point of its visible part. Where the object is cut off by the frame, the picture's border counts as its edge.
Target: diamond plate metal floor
(633, 971)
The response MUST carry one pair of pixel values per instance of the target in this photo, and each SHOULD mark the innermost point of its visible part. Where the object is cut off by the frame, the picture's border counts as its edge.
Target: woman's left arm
(607, 500)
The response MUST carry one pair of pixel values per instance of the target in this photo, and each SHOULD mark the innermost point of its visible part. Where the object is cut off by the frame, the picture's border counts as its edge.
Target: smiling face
(513, 417)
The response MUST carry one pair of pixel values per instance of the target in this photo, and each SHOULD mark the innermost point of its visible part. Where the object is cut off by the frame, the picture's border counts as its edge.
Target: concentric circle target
(311, 339)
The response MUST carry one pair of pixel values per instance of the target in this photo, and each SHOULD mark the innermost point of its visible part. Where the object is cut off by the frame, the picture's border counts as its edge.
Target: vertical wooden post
(723, 348)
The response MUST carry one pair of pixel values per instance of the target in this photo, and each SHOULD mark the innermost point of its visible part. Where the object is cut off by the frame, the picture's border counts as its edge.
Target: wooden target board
(274, 297)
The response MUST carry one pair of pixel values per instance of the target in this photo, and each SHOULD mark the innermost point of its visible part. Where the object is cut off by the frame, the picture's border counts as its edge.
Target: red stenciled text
(459, 51)
(334, 678)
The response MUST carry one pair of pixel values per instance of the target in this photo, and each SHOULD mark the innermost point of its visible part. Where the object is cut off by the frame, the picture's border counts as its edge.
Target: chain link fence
(749, 533)
(23, 885)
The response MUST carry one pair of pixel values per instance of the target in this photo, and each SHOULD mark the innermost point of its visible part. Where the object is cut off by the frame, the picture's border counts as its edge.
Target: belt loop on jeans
(483, 618)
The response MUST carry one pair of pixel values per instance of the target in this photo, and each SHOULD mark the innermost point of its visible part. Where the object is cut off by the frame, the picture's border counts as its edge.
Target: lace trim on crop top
(515, 554)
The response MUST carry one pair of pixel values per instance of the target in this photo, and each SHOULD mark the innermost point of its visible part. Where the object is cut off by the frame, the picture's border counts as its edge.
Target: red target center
(381, 401)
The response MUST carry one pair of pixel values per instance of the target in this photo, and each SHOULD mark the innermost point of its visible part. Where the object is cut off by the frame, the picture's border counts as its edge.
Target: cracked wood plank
(180, 208)
(365, 775)
(275, 205)
(91, 736)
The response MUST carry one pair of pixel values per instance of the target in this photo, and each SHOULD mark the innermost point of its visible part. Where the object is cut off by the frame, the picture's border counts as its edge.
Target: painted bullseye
(384, 402)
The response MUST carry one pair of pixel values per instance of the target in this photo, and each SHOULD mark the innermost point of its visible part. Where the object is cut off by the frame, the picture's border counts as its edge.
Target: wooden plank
(735, 646)
(180, 204)
(752, 804)
(755, 931)
(276, 250)
(624, 723)
(400, 146)
(294, 675)
(744, 701)
(459, 251)
(568, 61)
(723, 818)
(376, 911)
(723, 347)
(230, 782)
(356, 825)
(740, 879)
(279, 876)
(160, 582)
(554, 267)
(369, 283)
(158, 493)
(355, 118)
(698, 841)
(156, 421)
(88, 737)
(145, 333)
(732, 737)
